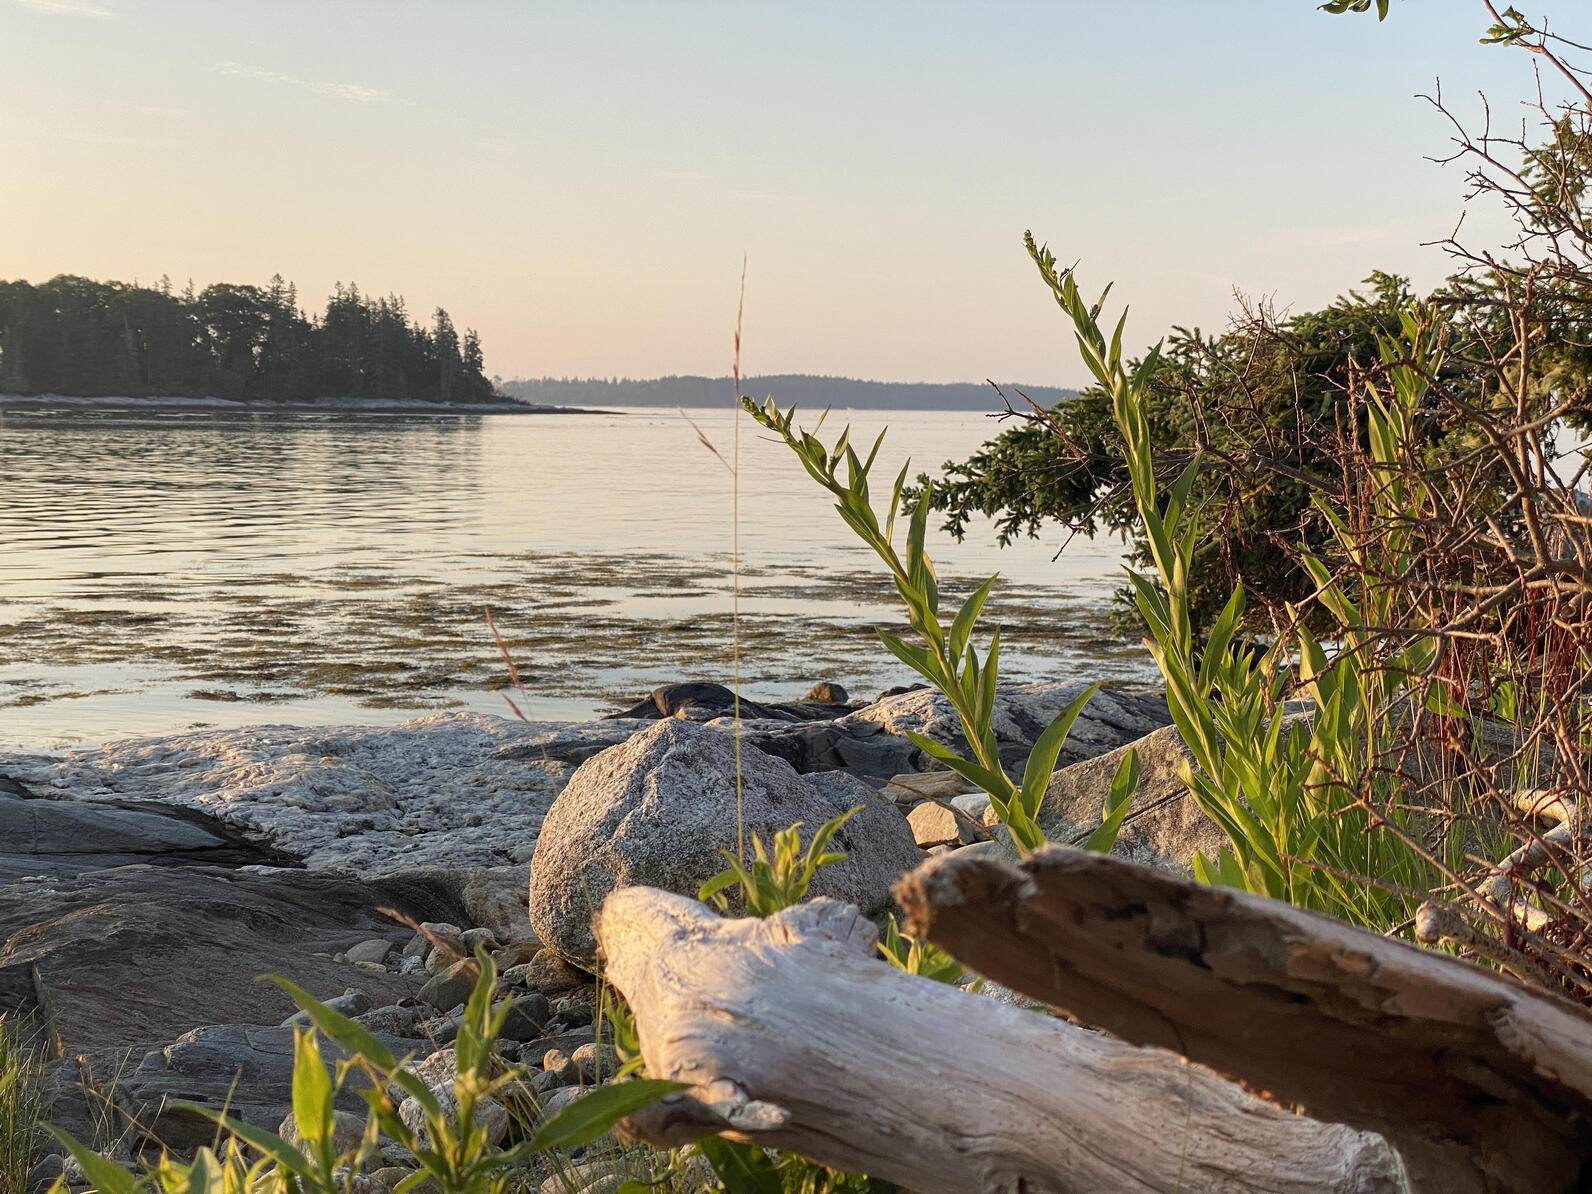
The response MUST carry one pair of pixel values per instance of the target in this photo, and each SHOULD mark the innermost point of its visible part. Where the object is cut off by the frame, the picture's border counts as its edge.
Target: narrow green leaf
(356, 1038)
(962, 624)
(1118, 800)
(1042, 758)
(312, 1092)
(741, 1168)
(589, 1116)
(106, 1175)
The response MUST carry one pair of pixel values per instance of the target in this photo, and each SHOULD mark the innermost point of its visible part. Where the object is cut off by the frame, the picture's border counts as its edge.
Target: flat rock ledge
(471, 790)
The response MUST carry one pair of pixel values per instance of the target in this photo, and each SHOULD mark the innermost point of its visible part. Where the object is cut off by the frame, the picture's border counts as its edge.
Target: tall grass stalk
(20, 1066)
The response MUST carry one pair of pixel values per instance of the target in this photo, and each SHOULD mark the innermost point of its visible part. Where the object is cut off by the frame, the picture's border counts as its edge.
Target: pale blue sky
(578, 181)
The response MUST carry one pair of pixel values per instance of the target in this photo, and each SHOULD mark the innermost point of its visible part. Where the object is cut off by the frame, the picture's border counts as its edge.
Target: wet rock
(656, 811)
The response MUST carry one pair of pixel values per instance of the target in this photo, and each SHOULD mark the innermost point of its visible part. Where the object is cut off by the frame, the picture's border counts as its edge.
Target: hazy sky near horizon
(579, 181)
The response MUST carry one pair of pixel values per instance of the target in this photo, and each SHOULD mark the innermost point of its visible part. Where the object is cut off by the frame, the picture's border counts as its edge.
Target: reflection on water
(165, 570)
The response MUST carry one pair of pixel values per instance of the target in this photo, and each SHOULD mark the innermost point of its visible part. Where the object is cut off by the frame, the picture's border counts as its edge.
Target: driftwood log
(1474, 1077)
(795, 1035)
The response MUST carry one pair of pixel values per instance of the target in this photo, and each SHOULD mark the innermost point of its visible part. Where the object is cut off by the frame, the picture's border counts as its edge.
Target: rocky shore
(144, 884)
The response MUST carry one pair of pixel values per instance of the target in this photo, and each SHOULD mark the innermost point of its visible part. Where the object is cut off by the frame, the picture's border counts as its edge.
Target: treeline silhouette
(810, 391)
(75, 336)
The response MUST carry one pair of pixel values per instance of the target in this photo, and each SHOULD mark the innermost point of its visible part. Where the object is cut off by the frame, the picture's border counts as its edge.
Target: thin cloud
(354, 93)
(67, 8)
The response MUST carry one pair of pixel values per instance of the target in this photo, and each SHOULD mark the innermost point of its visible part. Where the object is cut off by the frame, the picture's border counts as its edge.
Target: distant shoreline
(810, 391)
(346, 406)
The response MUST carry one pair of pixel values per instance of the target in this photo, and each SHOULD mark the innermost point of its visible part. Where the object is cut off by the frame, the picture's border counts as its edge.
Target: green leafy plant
(747, 1169)
(915, 956)
(948, 658)
(775, 882)
(450, 1144)
(1281, 791)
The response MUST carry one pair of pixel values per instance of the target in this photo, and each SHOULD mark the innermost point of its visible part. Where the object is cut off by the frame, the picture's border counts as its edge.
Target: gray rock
(516, 954)
(44, 1172)
(656, 810)
(913, 786)
(392, 1020)
(597, 1062)
(1022, 711)
(375, 950)
(527, 1016)
(475, 937)
(133, 956)
(452, 986)
(973, 804)
(563, 1097)
(1164, 825)
(58, 838)
(546, 1081)
(350, 1003)
(371, 799)
(935, 825)
(548, 973)
(438, 1071)
(246, 1068)
(443, 935)
(347, 1131)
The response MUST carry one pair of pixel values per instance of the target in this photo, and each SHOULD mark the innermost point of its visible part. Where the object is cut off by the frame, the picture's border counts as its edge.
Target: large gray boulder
(655, 811)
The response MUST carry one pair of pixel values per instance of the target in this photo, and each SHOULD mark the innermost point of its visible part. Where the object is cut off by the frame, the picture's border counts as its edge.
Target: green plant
(948, 658)
(1282, 792)
(916, 956)
(20, 1064)
(747, 1169)
(449, 1140)
(775, 882)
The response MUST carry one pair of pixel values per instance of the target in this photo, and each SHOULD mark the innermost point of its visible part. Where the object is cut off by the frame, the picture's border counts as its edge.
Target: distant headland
(809, 391)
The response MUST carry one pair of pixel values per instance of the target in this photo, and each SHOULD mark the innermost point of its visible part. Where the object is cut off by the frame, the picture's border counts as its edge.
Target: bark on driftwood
(1462, 1068)
(795, 1035)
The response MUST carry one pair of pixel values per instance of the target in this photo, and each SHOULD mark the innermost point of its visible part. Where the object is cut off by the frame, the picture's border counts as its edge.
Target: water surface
(168, 570)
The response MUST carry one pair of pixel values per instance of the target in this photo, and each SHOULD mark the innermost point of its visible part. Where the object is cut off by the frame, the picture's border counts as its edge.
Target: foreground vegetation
(1395, 733)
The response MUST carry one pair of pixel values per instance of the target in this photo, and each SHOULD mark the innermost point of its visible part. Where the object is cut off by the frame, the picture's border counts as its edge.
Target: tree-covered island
(76, 337)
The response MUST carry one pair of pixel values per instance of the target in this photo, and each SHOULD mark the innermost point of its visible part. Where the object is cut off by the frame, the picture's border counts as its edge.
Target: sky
(580, 182)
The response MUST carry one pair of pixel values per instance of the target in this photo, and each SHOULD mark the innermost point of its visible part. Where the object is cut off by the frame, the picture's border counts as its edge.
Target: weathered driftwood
(1457, 1065)
(794, 1034)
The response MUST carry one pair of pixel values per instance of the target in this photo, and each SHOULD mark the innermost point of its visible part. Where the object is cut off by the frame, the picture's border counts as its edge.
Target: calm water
(167, 571)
